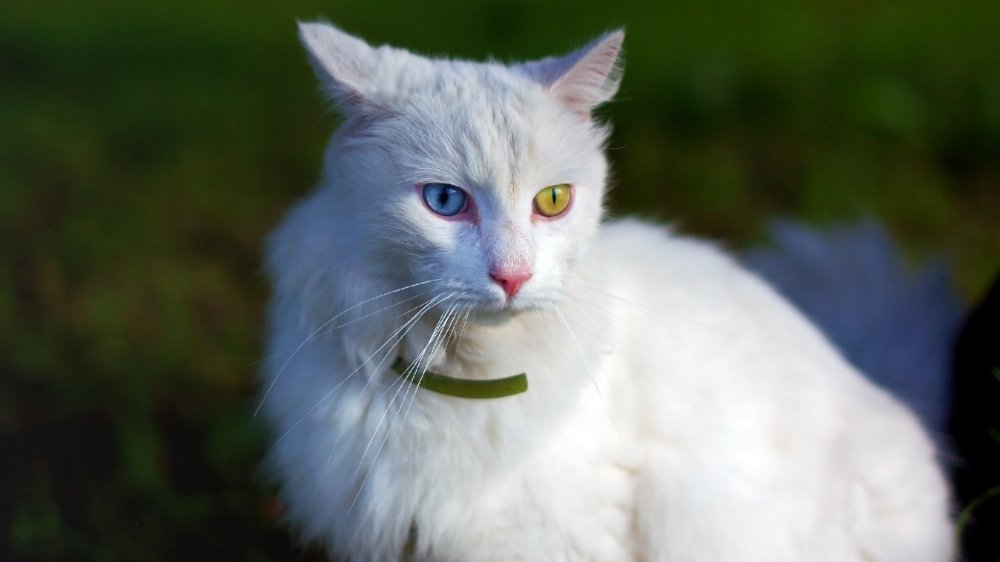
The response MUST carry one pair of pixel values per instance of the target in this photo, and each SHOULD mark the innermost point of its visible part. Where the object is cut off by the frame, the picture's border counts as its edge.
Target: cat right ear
(585, 78)
(343, 63)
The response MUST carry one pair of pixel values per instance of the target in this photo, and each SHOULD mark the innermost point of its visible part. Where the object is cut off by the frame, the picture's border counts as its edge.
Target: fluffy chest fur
(677, 408)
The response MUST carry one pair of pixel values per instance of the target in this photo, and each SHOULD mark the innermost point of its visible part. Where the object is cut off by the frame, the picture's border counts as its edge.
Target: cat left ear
(583, 79)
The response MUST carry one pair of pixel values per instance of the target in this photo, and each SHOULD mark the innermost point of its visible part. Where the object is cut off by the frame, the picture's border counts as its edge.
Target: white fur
(678, 409)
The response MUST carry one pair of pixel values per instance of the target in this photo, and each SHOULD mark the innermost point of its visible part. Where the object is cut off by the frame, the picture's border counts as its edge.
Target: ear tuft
(583, 79)
(343, 63)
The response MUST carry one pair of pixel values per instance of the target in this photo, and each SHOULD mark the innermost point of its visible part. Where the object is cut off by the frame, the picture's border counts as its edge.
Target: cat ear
(585, 78)
(343, 63)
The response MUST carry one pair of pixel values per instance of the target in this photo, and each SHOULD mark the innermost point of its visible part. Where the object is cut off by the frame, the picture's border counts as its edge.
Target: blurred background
(147, 148)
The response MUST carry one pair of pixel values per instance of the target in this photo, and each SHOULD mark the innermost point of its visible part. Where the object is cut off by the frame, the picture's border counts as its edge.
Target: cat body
(677, 408)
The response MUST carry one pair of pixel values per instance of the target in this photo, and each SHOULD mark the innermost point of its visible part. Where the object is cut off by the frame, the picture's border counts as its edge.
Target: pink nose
(511, 281)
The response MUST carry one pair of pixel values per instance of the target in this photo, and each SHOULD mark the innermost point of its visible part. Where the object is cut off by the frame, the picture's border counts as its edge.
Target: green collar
(462, 388)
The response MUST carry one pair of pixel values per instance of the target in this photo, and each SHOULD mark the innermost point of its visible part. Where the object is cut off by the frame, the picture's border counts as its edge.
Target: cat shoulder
(642, 244)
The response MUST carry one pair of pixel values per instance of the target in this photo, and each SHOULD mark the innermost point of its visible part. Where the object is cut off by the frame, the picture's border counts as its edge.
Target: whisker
(579, 347)
(409, 324)
(383, 309)
(413, 322)
(437, 335)
(591, 329)
(465, 324)
(413, 367)
(402, 384)
(322, 327)
(437, 325)
(444, 336)
(450, 334)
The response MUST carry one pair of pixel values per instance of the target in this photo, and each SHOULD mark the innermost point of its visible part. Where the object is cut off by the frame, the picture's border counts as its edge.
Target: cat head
(481, 181)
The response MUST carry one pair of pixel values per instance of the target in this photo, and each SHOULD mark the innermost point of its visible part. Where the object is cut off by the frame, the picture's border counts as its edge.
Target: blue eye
(445, 200)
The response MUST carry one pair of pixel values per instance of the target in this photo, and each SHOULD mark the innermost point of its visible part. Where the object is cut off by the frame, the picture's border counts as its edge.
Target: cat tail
(895, 324)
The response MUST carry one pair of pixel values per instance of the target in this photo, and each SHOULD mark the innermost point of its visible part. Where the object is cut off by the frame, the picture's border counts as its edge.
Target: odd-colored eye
(553, 200)
(444, 199)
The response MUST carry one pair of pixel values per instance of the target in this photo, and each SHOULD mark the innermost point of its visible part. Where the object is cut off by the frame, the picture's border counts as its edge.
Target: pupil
(443, 197)
(553, 196)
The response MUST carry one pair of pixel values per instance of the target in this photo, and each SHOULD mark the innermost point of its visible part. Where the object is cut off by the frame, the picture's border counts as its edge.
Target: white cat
(676, 409)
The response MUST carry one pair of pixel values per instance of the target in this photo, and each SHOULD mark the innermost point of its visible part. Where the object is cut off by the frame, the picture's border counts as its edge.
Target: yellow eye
(553, 200)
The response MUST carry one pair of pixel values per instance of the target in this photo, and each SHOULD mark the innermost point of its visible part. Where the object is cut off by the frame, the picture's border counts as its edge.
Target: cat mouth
(492, 317)
(490, 307)
(498, 312)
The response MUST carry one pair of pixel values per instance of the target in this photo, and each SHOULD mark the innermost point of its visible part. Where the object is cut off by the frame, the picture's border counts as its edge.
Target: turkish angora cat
(676, 408)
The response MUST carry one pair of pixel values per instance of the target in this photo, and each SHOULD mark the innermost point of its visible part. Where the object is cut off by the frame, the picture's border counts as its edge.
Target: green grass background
(146, 148)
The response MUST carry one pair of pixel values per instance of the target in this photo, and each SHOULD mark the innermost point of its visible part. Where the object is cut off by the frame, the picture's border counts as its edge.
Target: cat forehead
(496, 140)
(467, 122)
(403, 77)
(479, 104)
